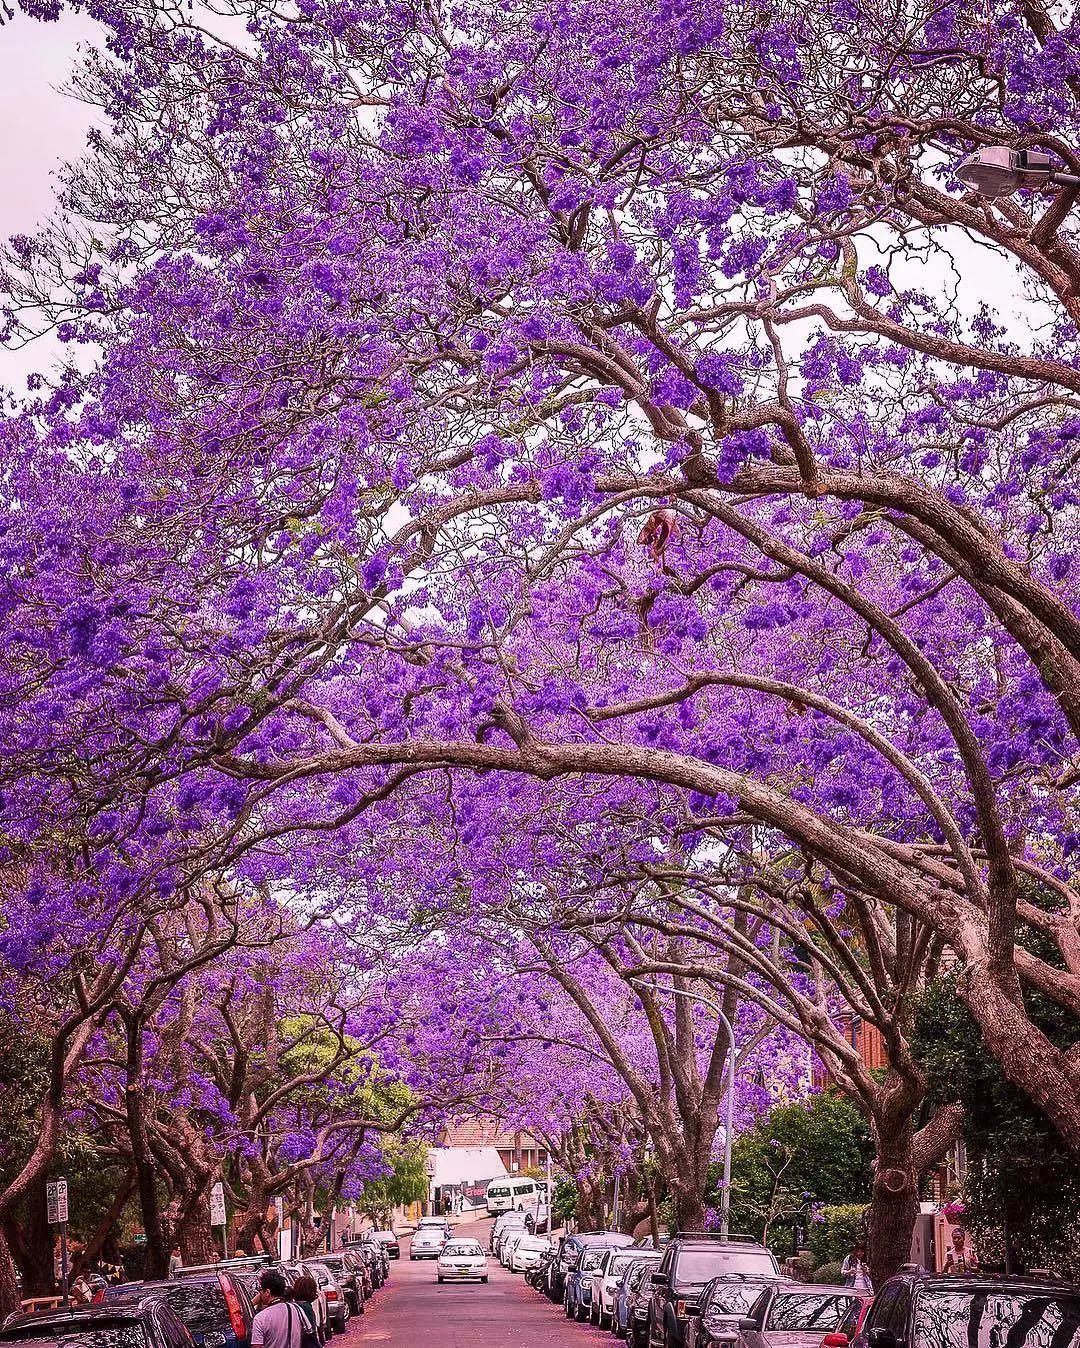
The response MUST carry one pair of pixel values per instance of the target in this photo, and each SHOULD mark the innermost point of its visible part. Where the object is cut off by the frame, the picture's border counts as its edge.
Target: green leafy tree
(794, 1159)
(1023, 1185)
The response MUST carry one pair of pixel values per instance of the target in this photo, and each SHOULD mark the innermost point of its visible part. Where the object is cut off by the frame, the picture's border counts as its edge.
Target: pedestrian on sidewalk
(276, 1323)
(961, 1257)
(309, 1306)
(176, 1263)
(854, 1270)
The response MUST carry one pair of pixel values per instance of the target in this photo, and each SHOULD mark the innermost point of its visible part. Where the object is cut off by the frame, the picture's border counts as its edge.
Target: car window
(463, 1247)
(130, 1334)
(808, 1310)
(171, 1330)
(889, 1308)
(736, 1298)
(987, 1318)
(201, 1305)
(694, 1267)
(640, 1274)
(591, 1259)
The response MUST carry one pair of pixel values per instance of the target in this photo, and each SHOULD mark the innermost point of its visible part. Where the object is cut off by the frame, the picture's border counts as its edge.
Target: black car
(925, 1310)
(129, 1322)
(571, 1248)
(348, 1269)
(389, 1242)
(688, 1264)
(215, 1306)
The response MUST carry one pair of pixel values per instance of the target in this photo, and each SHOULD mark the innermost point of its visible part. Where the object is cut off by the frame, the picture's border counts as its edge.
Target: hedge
(835, 1229)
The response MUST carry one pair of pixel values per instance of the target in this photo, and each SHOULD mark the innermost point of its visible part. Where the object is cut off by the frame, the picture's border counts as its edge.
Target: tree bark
(894, 1200)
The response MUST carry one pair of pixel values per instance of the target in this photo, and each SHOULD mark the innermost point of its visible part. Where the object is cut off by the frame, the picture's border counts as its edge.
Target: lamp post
(998, 171)
(725, 1196)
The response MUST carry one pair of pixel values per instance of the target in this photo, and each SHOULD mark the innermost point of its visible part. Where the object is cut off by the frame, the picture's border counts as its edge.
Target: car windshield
(988, 1318)
(127, 1335)
(591, 1259)
(695, 1267)
(620, 1263)
(807, 1310)
(462, 1247)
(639, 1272)
(733, 1298)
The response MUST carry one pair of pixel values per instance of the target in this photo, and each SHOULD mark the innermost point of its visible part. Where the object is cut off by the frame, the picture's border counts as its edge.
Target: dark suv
(925, 1310)
(688, 1263)
(131, 1322)
(214, 1306)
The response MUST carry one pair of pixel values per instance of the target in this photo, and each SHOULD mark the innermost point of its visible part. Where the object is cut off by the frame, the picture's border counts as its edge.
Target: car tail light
(232, 1305)
(98, 1297)
(834, 1340)
(680, 1310)
(331, 1294)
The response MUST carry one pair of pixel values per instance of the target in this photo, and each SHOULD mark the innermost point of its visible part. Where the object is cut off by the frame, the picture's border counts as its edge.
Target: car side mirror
(748, 1322)
(659, 1280)
(880, 1337)
(693, 1308)
(835, 1340)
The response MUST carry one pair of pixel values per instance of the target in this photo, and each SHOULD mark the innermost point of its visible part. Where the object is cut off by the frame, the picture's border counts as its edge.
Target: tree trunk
(689, 1203)
(38, 1243)
(194, 1234)
(894, 1200)
(9, 1277)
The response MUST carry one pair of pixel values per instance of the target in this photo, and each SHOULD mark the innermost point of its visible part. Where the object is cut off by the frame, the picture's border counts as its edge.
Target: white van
(511, 1194)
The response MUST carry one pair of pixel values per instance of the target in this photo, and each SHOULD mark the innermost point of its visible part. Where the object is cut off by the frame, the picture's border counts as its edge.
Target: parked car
(348, 1270)
(527, 1253)
(632, 1299)
(506, 1221)
(337, 1307)
(571, 1248)
(712, 1319)
(462, 1261)
(926, 1310)
(389, 1242)
(797, 1316)
(606, 1276)
(215, 1306)
(687, 1265)
(376, 1260)
(577, 1295)
(509, 1244)
(427, 1243)
(133, 1321)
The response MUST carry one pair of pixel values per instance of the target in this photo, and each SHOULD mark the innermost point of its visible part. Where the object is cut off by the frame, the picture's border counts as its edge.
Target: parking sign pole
(64, 1265)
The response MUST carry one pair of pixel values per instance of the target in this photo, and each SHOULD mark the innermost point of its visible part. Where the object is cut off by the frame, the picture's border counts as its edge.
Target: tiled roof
(484, 1132)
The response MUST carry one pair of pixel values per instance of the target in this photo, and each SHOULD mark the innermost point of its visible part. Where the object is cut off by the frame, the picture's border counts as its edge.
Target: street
(413, 1311)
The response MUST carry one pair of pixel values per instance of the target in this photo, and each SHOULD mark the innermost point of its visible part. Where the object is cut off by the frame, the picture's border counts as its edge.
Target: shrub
(829, 1273)
(835, 1230)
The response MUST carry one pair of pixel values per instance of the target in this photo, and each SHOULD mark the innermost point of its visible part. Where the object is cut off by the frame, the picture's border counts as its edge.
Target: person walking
(277, 1324)
(176, 1263)
(309, 1306)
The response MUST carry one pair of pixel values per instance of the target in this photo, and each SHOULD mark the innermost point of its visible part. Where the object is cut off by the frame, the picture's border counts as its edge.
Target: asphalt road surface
(413, 1311)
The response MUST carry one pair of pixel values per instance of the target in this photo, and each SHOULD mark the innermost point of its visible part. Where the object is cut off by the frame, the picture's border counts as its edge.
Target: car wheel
(580, 1313)
(439, 1278)
(484, 1278)
(567, 1308)
(593, 1319)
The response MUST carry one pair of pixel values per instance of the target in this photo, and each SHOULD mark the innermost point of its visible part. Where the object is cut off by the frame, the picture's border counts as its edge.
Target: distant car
(605, 1279)
(389, 1242)
(919, 1308)
(527, 1253)
(687, 1265)
(631, 1301)
(434, 1223)
(509, 1244)
(713, 1318)
(506, 1221)
(134, 1321)
(462, 1261)
(337, 1306)
(215, 1306)
(427, 1243)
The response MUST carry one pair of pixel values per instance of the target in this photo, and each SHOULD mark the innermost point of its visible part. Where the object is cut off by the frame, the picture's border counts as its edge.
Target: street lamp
(998, 171)
(725, 1196)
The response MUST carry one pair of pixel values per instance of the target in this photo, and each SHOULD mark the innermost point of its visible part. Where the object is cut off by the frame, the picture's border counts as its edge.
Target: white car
(527, 1253)
(508, 1224)
(605, 1279)
(509, 1244)
(461, 1261)
(427, 1243)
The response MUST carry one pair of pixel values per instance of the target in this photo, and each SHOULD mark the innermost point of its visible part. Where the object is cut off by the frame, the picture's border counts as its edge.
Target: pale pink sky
(40, 128)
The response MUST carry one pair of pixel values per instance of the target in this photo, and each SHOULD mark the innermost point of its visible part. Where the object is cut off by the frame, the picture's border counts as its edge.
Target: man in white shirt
(276, 1323)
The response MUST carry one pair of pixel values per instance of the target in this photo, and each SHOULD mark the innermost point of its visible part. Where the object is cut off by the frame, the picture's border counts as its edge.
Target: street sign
(56, 1201)
(217, 1205)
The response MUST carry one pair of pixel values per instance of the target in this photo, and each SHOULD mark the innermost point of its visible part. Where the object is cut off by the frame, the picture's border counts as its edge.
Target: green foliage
(408, 1182)
(795, 1158)
(835, 1229)
(1020, 1175)
(828, 1273)
(564, 1201)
